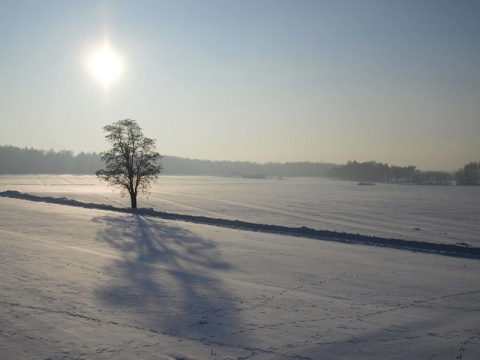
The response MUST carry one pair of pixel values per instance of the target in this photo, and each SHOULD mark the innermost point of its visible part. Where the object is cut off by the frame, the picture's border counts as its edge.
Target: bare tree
(132, 163)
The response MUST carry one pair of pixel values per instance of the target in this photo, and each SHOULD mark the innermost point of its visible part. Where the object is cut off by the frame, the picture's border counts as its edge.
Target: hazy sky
(392, 81)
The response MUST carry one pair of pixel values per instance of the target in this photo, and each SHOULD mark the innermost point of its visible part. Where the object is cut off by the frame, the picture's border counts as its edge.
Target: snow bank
(421, 246)
(431, 214)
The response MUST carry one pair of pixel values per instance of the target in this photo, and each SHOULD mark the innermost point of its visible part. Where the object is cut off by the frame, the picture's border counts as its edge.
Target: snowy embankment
(422, 246)
(447, 215)
(80, 282)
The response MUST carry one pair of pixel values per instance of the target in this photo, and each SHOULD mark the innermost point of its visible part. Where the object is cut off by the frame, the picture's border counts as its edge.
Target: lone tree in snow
(132, 163)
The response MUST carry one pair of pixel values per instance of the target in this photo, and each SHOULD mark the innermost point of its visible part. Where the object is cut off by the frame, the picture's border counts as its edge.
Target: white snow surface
(81, 283)
(439, 214)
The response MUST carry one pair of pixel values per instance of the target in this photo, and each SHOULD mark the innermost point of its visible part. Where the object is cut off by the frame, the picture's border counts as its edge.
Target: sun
(105, 65)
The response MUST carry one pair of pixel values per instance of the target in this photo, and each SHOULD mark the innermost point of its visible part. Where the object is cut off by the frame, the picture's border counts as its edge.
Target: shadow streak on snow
(169, 279)
(464, 251)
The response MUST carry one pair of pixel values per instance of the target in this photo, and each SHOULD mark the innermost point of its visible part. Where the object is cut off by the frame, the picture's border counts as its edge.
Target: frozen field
(82, 283)
(94, 284)
(426, 213)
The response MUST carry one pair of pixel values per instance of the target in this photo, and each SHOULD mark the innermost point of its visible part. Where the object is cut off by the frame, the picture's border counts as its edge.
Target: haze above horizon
(281, 81)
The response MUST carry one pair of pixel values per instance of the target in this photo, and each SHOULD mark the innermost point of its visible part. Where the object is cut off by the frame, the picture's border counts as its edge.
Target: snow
(444, 214)
(81, 283)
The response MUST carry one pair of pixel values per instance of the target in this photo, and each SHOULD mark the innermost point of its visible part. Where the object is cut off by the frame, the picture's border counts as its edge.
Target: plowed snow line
(409, 245)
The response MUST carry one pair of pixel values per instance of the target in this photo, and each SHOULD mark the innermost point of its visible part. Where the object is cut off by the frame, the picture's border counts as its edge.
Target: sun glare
(105, 65)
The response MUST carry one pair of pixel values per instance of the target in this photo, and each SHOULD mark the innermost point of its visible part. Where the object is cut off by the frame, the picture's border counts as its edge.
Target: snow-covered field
(441, 214)
(82, 283)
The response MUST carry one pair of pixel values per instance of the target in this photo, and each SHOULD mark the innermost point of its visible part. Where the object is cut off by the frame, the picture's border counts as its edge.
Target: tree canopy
(132, 164)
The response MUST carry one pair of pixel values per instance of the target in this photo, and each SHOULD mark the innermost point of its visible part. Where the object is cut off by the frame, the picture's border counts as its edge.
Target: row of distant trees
(469, 174)
(15, 160)
(374, 171)
(377, 172)
(182, 166)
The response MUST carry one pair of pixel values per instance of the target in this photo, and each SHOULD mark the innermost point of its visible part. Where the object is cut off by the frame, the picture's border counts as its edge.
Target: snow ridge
(465, 251)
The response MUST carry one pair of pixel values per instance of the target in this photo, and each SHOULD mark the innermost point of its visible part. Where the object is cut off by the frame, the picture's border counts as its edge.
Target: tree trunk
(133, 199)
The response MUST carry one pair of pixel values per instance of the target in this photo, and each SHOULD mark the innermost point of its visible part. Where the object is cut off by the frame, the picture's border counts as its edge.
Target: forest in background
(15, 160)
(377, 172)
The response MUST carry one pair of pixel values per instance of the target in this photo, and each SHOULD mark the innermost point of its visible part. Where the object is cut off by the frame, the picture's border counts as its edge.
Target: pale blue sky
(391, 81)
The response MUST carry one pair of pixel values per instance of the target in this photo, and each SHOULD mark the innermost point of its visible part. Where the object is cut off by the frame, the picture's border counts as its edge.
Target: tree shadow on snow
(169, 278)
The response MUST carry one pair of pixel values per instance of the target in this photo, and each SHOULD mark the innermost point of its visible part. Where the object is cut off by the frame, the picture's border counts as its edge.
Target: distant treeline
(469, 174)
(15, 160)
(377, 172)
(181, 166)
